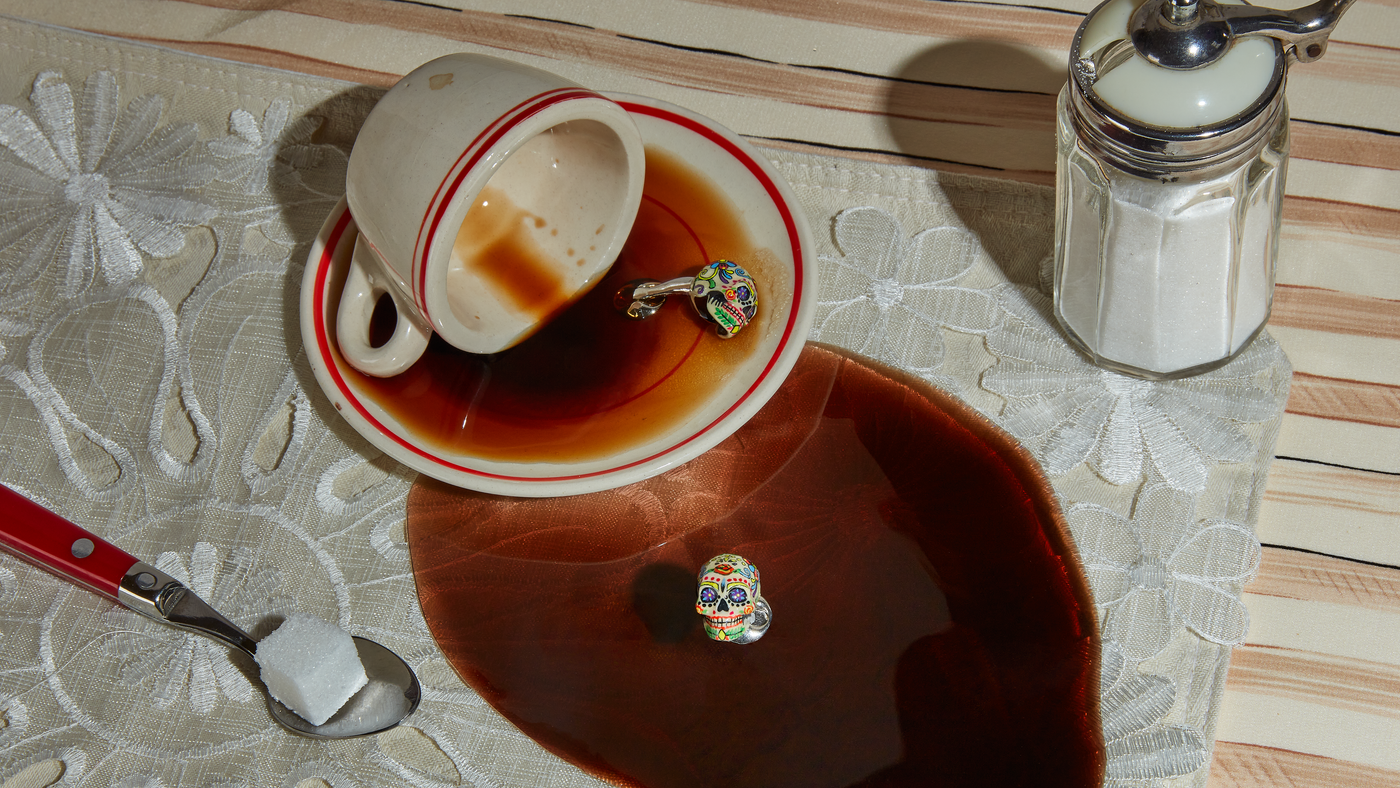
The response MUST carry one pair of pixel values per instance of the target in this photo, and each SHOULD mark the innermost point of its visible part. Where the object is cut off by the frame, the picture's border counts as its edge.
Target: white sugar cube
(310, 666)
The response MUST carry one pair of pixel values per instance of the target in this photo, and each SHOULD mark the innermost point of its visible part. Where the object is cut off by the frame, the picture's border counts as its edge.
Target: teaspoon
(54, 544)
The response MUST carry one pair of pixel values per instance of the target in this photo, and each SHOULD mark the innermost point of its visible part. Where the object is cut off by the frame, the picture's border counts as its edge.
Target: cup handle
(363, 287)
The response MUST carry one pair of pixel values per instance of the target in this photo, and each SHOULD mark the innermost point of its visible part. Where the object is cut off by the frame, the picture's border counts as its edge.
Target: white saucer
(774, 220)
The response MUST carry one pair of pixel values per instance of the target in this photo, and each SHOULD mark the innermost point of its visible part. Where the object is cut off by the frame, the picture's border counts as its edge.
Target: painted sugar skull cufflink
(730, 600)
(722, 293)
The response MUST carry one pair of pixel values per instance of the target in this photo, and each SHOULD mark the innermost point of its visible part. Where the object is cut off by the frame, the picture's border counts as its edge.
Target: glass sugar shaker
(1172, 150)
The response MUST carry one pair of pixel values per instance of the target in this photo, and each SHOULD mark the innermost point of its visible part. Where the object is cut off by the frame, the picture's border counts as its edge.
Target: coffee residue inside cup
(495, 244)
(517, 258)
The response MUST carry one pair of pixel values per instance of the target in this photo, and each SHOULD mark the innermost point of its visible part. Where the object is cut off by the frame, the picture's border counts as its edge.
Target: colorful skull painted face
(725, 294)
(728, 591)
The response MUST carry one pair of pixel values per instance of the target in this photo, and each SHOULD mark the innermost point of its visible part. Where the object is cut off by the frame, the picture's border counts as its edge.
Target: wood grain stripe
(1360, 64)
(827, 89)
(1035, 27)
(1340, 145)
(1320, 309)
(1292, 574)
(704, 70)
(1353, 69)
(1326, 495)
(1238, 765)
(1341, 399)
(1027, 26)
(1343, 217)
(1322, 679)
(1041, 178)
(274, 58)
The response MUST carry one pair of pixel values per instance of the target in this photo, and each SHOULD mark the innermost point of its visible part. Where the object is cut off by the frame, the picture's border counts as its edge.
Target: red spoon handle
(50, 542)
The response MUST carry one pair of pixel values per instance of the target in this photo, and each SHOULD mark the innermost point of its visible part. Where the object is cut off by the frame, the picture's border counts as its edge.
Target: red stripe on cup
(464, 164)
(472, 146)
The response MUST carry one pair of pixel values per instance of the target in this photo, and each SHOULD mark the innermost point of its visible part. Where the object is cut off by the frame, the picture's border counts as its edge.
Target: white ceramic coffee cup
(488, 195)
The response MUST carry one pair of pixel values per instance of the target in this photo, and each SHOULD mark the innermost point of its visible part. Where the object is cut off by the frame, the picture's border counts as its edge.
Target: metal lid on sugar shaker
(1167, 85)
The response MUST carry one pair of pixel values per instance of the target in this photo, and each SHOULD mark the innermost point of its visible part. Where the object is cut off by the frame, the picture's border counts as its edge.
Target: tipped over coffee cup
(489, 196)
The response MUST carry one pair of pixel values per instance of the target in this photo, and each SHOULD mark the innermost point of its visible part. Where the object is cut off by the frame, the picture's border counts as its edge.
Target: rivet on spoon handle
(722, 293)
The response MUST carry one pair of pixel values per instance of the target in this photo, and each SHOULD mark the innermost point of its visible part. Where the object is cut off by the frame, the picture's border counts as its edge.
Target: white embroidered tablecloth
(156, 209)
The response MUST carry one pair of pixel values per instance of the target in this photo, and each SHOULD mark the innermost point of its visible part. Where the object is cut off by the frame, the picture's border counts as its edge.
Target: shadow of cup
(306, 181)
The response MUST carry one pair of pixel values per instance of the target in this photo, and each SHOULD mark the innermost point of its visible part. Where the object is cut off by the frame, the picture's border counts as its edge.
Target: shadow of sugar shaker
(934, 107)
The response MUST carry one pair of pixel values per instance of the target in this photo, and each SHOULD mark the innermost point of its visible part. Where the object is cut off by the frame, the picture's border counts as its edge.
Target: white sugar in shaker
(1173, 144)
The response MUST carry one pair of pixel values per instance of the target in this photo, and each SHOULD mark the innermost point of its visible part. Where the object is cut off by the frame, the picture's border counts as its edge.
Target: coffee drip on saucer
(722, 293)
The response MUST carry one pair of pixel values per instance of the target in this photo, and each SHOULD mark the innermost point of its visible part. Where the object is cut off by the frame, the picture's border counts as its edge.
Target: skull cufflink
(722, 293)
(730, 601)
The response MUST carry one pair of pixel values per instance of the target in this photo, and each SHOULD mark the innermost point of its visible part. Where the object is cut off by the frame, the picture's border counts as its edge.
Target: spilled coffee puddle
(931, 625)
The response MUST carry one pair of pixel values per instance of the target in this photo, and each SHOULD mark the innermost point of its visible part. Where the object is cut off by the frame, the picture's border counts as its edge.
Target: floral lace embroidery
(880, 298)
(1150, 575)
(1070, 412)
(1142, 750)
(46, 766)
(92, 186)
(93, 195)
(152, 781)
(86, 186)
(14, 721)
(1180, 571)
(271, 162)
(255, 149)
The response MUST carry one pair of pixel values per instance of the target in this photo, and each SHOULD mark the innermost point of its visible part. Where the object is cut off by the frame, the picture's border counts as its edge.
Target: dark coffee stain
(932, 625)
